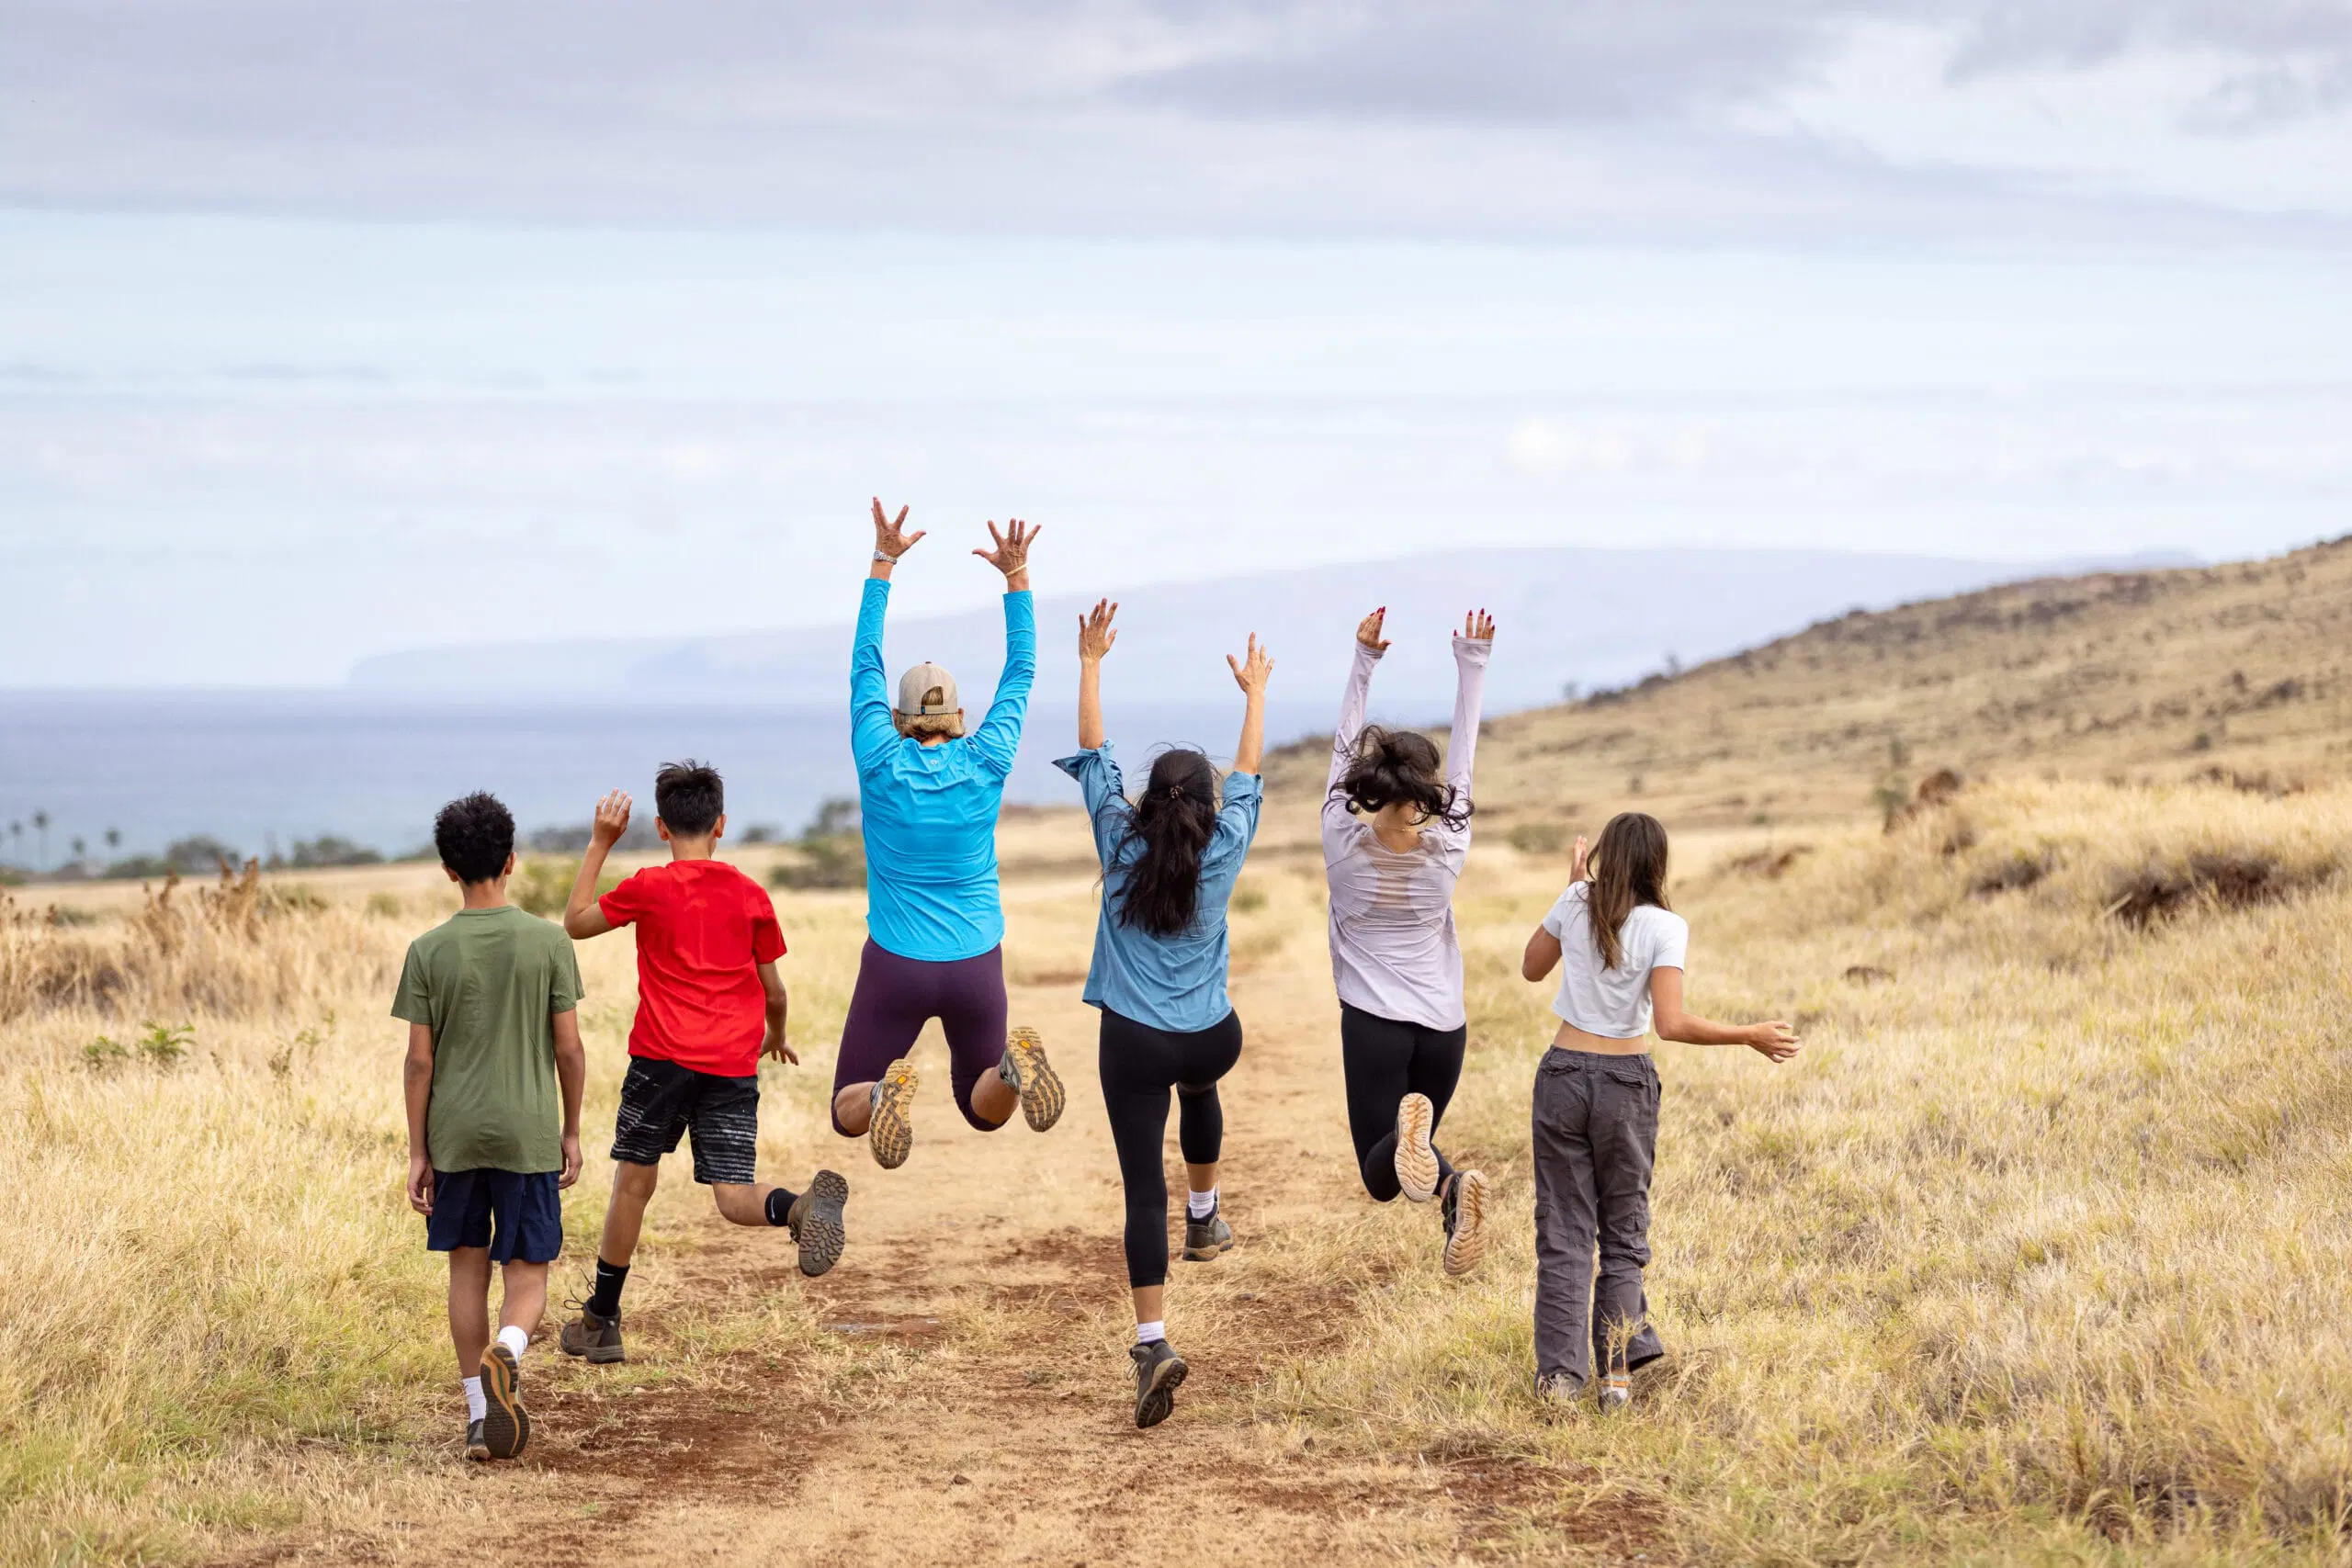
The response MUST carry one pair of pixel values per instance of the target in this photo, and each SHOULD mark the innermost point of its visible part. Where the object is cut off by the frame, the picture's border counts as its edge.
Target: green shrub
(543, 886)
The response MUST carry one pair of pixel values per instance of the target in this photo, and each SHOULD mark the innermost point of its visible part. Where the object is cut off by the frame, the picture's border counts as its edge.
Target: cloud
(1478, 119)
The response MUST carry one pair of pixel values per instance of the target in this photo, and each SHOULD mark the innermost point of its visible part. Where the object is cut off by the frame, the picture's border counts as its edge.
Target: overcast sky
(330, 329)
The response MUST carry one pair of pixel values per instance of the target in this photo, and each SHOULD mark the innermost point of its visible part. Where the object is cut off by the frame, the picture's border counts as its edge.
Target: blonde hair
(916, 726)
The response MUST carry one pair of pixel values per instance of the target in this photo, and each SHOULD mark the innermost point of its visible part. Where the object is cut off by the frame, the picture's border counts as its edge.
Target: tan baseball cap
(927, 689)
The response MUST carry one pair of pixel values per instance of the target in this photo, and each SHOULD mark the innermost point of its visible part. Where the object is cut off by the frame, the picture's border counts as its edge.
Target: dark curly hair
(1173, 822)
(689, 798)
(475, 834)
(1393, 766)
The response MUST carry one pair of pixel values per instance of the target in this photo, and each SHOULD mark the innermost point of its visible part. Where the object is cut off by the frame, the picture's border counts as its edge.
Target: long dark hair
(1400, 764)
(1628, 869)
(1173, 822)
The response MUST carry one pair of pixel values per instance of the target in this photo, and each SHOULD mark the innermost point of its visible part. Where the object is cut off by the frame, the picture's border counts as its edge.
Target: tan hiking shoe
(1024, 1065)
(1158, 1372)
(594, 1339)
(891, 1133)
(1416, 1156)
(1466, 1222)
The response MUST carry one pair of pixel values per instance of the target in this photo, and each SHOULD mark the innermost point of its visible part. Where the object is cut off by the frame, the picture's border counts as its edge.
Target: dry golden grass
(2034, 1253)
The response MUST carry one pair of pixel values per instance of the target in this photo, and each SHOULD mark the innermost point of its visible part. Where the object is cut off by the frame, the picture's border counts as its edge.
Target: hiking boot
(1466, 1222)
(1616, 1393)
(1025, 1068)
(1415, 1157)
(1206, 1240)
(1158, 1371)
(1558, 1391)
(597, 1338)
(815, 1219)
(476, 1446)
(506, 1425)
(891, 1133)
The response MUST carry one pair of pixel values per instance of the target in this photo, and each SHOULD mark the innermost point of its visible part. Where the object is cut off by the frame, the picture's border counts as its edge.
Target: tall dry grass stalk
(2038, 1246)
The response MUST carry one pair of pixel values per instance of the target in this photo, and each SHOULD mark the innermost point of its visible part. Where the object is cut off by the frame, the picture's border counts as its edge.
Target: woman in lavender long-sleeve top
(1396, 832)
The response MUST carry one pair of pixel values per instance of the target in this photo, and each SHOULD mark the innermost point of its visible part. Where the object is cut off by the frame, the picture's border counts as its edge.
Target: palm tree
(41, 826)
(80, 851)
(114, 840)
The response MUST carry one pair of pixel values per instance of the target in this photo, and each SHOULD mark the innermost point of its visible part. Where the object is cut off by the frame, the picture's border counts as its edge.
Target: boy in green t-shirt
(493, 1041)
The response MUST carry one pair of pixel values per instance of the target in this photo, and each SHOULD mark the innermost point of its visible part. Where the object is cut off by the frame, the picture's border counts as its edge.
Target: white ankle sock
(1200, 1205)
(477, 1401)
(515, 1340)
(1152, 1332)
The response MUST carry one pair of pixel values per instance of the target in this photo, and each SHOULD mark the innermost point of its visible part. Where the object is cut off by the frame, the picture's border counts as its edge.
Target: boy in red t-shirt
(709, 1004)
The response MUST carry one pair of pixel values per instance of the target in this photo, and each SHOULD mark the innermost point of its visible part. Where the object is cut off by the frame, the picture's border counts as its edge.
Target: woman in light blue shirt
(1169, 864)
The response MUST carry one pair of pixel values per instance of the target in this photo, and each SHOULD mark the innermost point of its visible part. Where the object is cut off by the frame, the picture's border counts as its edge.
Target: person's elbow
(1675, 1029)
(1536, 966)
(581, 924)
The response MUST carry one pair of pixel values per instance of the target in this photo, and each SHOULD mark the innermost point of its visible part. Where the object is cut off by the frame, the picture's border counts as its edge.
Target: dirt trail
(1020, 1451)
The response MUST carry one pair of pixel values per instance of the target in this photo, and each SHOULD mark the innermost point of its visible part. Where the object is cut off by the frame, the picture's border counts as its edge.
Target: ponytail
(1173, 822)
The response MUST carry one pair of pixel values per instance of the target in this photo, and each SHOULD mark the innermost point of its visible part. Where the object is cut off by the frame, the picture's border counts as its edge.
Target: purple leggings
(895, 997)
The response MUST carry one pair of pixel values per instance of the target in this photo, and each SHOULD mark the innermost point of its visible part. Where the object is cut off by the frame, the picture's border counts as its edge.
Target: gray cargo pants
(1596, 1138)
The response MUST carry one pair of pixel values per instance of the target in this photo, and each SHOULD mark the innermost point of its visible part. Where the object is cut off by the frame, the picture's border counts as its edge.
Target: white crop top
(1612, 1003)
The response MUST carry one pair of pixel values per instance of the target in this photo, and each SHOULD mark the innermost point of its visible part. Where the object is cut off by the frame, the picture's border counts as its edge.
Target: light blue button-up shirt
(1175, 982)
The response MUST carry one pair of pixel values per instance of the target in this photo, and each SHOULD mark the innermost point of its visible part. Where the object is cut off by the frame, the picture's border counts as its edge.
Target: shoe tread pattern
(892, 1134)
(1417, 1171)
(1466, 1244)
(821, 1232)
(1043, 1099)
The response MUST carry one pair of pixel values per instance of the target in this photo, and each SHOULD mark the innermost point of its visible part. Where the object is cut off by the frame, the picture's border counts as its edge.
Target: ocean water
(260, 769)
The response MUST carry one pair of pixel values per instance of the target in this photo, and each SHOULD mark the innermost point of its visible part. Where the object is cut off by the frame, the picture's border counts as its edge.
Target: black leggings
(1140, 1064)
(1384, 1061)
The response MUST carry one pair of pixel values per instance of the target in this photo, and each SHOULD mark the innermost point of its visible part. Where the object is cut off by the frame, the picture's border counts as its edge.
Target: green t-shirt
(489, 982)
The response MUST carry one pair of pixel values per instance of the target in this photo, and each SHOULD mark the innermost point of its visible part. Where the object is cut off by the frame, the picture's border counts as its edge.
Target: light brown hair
(1628, 870)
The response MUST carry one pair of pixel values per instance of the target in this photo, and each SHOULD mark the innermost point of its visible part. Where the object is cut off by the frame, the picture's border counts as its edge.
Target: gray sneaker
(1207, 1240)
(476, 1446)
(815, 1219)
(1158, 1371)
(1616, 1393)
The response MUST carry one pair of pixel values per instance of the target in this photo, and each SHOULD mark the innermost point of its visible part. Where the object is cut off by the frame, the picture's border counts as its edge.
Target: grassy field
(2034, 1253)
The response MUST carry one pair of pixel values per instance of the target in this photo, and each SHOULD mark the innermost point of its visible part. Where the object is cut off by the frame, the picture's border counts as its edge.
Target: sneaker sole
(505, 1424)
(1159, 1400)
(1416, 1159)
(1468, 1244)
(1043, 1098)
(892, 1133)
(821, 1234)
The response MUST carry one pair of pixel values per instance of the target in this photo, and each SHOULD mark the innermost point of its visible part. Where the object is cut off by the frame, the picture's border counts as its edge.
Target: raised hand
(889, 533)
(1775, 1042)
(1576, 859)
(1368, 630)
(1477, 626)
(1095, 633)
(1252, 670)
(1011, 552)
(611, 821)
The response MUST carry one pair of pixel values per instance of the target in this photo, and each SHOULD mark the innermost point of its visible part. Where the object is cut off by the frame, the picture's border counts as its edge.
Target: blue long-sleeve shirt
(930, 811)
(1175, 982)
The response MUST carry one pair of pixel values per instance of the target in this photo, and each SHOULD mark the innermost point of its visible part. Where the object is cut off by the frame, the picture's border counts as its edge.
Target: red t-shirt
(703, 929)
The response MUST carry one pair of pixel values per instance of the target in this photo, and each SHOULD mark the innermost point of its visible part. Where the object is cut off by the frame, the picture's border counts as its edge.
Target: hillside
(2160, 674)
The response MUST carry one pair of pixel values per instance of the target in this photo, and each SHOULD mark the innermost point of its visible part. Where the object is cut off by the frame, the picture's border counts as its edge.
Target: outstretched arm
(1095, 635)
(1369, 646)
(582, 916)
(1250, 672)
(1470, 653)
(1775, 1041)
(998, 737)
(870, 728)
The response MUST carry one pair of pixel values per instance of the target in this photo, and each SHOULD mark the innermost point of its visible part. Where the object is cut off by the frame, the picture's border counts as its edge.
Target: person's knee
(963, 1092)
(635, 1182)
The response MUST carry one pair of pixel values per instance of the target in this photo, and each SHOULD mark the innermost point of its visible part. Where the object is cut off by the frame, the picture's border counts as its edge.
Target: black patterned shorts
(661, 1100)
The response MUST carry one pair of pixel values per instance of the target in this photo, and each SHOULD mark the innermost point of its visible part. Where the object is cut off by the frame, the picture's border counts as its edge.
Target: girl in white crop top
(1620, 952)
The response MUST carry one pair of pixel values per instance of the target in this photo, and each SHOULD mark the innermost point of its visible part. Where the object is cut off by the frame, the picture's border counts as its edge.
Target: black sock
(780, 1202)
(606, 1300)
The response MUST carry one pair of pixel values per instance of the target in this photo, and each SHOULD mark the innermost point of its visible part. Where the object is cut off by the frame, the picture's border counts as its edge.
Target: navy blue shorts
(517, 1215)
